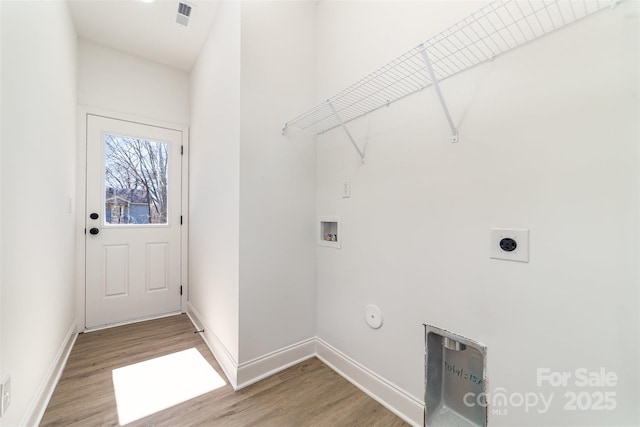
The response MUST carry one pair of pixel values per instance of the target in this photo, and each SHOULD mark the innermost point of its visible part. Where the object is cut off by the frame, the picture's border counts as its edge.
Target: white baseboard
(257, 369)
(38, 405)
(398, 401)
(224, 358)
(247, 373)
(387, 394)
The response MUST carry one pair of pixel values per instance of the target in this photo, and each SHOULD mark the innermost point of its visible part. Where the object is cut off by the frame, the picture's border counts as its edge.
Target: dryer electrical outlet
(509, 244)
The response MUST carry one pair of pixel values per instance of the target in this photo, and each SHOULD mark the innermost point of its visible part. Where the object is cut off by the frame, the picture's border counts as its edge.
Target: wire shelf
(493, 30)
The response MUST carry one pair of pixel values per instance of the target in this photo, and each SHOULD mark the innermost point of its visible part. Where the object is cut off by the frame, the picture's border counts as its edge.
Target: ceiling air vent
(184, 12)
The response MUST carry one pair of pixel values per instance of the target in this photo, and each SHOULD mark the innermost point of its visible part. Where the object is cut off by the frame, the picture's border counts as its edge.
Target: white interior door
(133, 216)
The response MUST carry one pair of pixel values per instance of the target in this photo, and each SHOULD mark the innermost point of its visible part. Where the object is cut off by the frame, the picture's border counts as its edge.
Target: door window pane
(136, 180)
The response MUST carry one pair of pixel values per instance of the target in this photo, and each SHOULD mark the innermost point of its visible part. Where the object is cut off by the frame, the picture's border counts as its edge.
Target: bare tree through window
(136, 180)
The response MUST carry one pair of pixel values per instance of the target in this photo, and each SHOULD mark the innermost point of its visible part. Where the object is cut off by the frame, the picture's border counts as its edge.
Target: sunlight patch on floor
(148, 387)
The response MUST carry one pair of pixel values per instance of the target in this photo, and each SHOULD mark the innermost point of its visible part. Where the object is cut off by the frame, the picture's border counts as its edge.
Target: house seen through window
(136, 180)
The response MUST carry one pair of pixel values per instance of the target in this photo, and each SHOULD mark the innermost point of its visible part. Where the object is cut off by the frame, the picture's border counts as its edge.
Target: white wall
(118, 82)
(1, 277)
(38, 186)
(549, 142)
(277, 178)
(252, 196)
(214, 177)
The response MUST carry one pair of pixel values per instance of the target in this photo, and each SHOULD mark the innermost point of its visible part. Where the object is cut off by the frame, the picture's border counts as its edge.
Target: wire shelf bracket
(436, 86)
(346, 130)
(498, 27)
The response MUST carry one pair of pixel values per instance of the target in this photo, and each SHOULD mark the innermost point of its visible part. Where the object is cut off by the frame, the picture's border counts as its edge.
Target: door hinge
(180, 289)
(182, 150)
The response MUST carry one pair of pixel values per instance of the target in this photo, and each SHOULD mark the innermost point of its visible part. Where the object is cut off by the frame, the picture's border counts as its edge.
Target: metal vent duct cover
(455, 370)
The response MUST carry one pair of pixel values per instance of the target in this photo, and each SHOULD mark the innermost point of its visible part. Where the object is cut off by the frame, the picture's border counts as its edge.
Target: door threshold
(129, 322)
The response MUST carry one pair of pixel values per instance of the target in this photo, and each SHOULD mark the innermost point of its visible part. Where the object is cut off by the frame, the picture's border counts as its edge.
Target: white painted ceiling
(147, 30)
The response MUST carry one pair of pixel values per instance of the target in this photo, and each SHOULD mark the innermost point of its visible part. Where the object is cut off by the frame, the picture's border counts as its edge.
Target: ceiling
(147, 30)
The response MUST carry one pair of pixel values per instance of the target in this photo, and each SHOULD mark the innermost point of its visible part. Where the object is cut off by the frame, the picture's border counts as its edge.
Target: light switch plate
(5, 393)
(346, 189)
(509, 244)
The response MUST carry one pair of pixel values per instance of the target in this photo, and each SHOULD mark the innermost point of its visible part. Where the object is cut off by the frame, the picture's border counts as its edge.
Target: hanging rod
(497, 28)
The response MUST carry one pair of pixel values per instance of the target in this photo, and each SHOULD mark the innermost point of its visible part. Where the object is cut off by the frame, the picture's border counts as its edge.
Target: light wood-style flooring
(308, 394)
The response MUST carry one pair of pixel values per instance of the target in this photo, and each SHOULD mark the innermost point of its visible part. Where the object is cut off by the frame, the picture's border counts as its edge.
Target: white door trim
(81, 163)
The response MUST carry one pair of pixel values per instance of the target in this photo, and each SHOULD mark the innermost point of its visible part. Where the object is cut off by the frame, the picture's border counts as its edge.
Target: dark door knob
(94, 231)
(94, 216)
